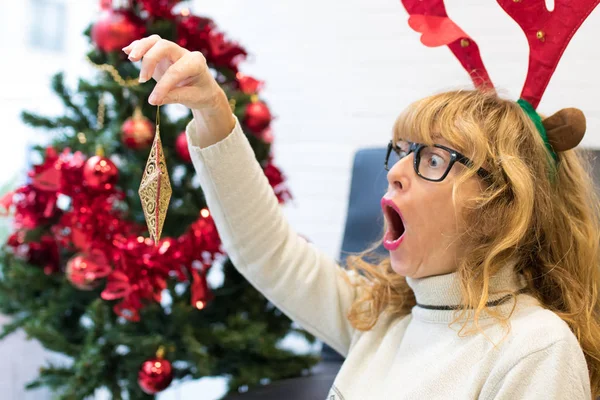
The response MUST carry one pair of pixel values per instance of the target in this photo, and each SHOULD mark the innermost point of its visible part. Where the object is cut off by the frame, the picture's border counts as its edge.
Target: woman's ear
(565, 128)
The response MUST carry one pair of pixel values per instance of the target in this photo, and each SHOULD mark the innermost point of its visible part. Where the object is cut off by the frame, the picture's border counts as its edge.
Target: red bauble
(155, 375)
(137, 132)
(116, 29)
(181, 147)
(100, 173)
(86, 271)
(258, 116)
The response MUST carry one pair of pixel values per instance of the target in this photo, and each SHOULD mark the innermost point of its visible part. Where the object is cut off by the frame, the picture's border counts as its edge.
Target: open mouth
(395, 232)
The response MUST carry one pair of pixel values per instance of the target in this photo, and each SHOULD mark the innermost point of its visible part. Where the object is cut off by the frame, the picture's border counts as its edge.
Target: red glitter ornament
(258, 116)
(116, 29)
(85, 271)
(181, 147)
(137, 131)
(100, 173)
(155, 374)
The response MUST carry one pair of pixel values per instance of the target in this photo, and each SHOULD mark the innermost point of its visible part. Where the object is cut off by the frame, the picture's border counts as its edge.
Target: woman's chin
(400, 267)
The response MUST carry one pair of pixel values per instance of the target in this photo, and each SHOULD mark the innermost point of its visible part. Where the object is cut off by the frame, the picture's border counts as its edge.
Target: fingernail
(152, 99)
(133, 54)
(143, 78)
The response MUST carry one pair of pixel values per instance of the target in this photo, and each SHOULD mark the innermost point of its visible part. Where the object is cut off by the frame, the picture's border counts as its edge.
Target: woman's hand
(183, 77)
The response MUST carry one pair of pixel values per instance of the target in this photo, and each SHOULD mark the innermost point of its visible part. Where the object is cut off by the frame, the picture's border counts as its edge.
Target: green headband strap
(537, 120)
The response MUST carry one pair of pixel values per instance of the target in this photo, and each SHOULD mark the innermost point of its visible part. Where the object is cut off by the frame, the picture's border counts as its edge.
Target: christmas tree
(79, 272)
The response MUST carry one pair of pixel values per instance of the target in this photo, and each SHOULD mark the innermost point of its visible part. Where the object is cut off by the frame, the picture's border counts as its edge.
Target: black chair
(364, 224)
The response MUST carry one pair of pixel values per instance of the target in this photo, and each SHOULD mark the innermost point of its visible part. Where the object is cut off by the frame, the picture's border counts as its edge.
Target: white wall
(337, 74)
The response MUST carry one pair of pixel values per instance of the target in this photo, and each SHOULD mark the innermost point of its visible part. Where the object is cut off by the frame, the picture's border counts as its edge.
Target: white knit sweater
(418, 356)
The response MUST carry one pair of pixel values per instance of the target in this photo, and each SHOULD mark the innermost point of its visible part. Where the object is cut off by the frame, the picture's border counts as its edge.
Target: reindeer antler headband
(548, 34)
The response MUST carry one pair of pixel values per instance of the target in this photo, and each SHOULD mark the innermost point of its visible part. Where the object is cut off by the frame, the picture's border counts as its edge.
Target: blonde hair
(550, 215)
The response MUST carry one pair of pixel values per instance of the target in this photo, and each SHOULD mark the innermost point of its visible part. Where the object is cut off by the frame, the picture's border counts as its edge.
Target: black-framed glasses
(432, 163)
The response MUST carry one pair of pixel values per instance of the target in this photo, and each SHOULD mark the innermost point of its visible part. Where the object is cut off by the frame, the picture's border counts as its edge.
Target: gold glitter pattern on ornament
(155, 190)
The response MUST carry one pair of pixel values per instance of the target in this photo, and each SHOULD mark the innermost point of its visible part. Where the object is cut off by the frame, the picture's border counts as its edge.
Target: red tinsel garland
(94, 221)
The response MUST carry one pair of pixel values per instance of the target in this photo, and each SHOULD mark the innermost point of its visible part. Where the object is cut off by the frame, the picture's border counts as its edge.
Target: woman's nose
(399, 175)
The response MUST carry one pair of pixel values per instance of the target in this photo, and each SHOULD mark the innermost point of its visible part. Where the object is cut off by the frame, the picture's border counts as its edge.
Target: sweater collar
(443, 291)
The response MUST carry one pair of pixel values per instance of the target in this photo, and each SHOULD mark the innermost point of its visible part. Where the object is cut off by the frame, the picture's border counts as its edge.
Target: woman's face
(430, 226)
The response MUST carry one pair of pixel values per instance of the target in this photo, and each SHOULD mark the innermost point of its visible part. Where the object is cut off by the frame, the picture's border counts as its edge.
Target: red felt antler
(548, 34)
(429, 17)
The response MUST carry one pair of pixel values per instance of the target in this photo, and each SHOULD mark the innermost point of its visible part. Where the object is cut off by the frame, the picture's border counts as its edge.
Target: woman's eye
(435, 161)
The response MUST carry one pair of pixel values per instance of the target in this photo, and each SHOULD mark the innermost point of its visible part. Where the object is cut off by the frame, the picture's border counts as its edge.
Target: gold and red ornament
(85, 271)
(155, 189)
(115, 29)
(258, 117)
(182, 149)
(100, 173)
(155, 374)
(137, 131)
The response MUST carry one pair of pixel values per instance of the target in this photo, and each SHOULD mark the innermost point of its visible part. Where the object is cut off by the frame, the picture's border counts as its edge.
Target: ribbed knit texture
(419, 356)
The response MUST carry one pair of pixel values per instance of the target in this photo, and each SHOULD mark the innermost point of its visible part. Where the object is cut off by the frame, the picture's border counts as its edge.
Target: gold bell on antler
(155, 190)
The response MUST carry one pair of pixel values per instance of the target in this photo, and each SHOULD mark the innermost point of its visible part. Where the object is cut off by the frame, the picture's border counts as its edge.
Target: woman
(491, 287)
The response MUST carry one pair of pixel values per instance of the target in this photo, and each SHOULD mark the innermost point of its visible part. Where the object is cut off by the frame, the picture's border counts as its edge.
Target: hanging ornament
(99, 172)
(258, 116)
(115, 29)
(182, 149)
(155, 374)
(155, 189)
(137, 131)
(85, 271)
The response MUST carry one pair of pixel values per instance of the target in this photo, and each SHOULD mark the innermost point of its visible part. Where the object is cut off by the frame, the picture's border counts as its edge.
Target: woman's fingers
(190, 65)
(127, 49)
(139, 47)
(161, 50)
(185, 95)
